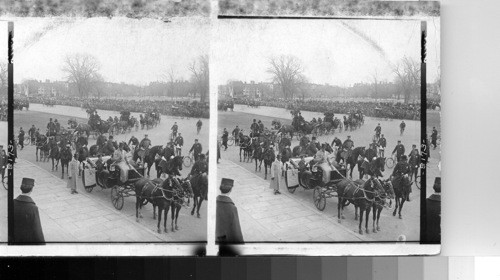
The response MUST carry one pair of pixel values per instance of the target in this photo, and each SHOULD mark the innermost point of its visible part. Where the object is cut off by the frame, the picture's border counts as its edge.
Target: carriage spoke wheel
(187, 161)
(5, 181)
(319, 198)
(389, 162)
(117, 198)
(417, 182)
(230, 142)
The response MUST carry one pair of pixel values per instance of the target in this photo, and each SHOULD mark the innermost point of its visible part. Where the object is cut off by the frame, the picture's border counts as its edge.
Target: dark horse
(402, 187)
(246, 147)
(199, 184)
(352, 157)
(375, 167)
(359, 193)
(381, 202)
(268, 158)
(170, 167)
(164, 194)
(150, 157)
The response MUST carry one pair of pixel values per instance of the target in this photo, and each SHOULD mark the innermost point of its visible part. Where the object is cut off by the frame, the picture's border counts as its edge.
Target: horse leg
(159, 218)
(374, 217)
(356, 212)
(195, 201)
(361, 210)
(177, 216)
(396, 206)
(367, 218)
(339, 208)
(154, 211)
(265, 171)
(401, 207)
(201, 198)
(260, 165)
(378, 217)
(173, 206)
(137, 205)
(165, 218)
(256, 165)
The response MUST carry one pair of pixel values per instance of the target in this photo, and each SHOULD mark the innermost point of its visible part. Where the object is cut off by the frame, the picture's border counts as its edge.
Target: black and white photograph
(111, 122)
(3, 132)
(319, 129)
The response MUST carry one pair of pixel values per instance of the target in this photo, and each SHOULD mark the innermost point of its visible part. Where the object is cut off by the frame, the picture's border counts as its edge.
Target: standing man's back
(27, 226)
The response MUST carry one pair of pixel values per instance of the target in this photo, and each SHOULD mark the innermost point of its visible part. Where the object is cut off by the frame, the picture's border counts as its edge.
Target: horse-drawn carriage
(322, 178)
(109, 178)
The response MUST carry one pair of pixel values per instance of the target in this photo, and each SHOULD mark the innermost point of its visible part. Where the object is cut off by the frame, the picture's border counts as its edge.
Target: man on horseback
(225, 136)
(51, 128)
(336, 142)
(261, 126)
(21, 138)
(254, 127)
(199, 167)
(31, 133)
(378, 130)
(174, 129)
(304, 141)
(133, 142)
(144, 147)
(401, 169)
(371, 152)
(348, 143)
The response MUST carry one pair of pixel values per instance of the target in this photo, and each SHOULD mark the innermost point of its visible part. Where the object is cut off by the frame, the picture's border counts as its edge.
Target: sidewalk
(76, 218)
(265, 217)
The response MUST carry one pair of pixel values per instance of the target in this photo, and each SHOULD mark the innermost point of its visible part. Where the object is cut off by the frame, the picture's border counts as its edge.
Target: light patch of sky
(130, 51)
(332, 51)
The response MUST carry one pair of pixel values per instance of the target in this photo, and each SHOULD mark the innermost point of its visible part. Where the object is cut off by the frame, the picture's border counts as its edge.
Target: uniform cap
(226, 185)
(27, 185)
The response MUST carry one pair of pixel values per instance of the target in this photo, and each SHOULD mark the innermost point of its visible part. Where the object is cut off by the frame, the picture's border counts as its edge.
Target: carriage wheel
(417, 182)
(117, 198)
(5, 181)
(187, 161)
(230, 141)
(389, 162)
(27, 141)
(319, 198)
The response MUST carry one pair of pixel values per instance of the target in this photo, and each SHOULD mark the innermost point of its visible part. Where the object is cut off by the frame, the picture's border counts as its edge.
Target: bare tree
(170, 77)
(200, 75)
(83, 71)
(287, 71)
(408, 77)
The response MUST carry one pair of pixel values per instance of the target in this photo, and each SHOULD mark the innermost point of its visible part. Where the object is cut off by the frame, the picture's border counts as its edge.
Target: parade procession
(117, 155)
(312, 154)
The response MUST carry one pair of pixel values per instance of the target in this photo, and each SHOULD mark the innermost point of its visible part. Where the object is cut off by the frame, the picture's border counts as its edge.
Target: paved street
(91, 217)
(268, 217)
(391, 227)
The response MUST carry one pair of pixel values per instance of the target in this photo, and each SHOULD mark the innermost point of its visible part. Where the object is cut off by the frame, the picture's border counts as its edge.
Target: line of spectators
(391, 110)
(192, 109)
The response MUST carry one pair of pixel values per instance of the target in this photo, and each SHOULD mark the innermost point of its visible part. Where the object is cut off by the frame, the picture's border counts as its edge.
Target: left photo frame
(4, 131)
(111, 129)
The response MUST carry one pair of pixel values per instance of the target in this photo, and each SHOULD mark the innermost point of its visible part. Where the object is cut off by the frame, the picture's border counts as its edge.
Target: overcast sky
(129, 50)
(332, 51)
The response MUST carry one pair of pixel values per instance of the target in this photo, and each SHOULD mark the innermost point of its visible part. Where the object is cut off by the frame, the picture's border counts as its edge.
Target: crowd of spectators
(192, 109)
(380, 109)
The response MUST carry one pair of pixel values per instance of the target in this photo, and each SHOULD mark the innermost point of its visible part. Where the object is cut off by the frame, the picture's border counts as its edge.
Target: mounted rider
(261, 126)
(399, 150)
(179, 143)
(51, 128)
(133, 142)
(144, 147)
(200, 167)
(236, 135)
(254, 127)
(174, 129)
(382, 143)
(401, 169)
(336, 142)
(304, 141)
(414, 161)
(371, 152)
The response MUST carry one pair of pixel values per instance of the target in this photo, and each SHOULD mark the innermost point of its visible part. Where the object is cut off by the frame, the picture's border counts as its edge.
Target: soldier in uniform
(31, 133)
(371, 153)
(196, 149)
(399, 150)
(304, 141)
(199, 167)
(414, 161)
(336, 142)
(21, 137)
(225, 136)
(27, 225)
(261, 126)
(401, 169)
(179, 143)
(382, 143)
(227, 226)
(254, 127)
(348, 143)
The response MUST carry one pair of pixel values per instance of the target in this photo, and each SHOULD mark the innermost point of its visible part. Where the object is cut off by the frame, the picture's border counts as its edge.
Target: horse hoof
(192, 213)
(198, 216)
(401, 217)
(176, 228)
(361, 232)
(340, 221)
(367, 231)
(159, 230)
(137, 219)
(140, 216)
(374, 231)
(343, 217)
(355, 218)
(394, 214)
(378, 228)
(166, 231)
(173, 230)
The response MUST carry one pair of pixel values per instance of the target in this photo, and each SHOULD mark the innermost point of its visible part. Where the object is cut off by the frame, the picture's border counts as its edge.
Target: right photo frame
(325, 133)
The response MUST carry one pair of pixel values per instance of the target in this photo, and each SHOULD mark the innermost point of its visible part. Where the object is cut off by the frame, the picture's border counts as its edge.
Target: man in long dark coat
(432, 234)
(227, 226)
(27, 226)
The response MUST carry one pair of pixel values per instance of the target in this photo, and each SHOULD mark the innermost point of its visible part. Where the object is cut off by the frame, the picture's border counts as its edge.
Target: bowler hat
(27, 185)
(226, 185)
